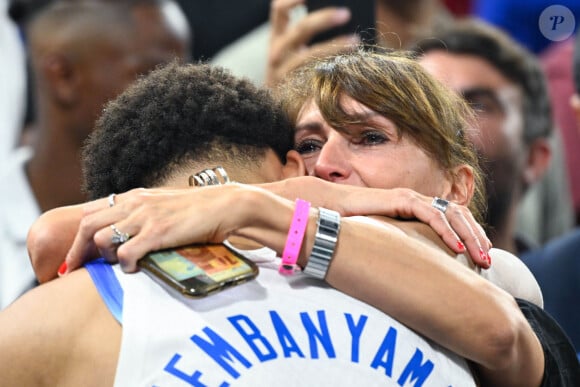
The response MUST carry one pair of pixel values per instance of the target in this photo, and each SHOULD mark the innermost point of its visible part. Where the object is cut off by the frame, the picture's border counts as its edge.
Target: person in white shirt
(82, 54)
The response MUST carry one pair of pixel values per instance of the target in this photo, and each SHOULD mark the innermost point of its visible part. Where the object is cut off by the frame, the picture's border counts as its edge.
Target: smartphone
(362, 19)
(199, 270)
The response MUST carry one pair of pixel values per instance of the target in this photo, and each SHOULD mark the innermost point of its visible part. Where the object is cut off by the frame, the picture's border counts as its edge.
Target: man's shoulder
(511, 274)
(63, 322)
(70, 302)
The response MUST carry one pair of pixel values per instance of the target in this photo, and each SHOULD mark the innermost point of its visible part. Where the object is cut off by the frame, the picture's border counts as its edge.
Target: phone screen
(198, 270)
(362, 19)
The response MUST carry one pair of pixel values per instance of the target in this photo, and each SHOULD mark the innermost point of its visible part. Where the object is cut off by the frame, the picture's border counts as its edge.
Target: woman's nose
(333, 160)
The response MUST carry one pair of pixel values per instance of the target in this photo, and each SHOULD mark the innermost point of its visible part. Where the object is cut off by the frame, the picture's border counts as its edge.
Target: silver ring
(205, 177)
(440, 204)
(209, 177)
(112, 199)
(195, 181)
(222, 172)
(212, 177)
(118, 237)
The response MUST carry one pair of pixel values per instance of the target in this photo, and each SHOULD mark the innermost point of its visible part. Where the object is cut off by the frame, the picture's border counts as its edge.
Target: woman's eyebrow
(309, 126)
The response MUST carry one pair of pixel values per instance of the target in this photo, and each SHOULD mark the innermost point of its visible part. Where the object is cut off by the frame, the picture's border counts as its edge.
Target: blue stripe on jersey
(108, 286)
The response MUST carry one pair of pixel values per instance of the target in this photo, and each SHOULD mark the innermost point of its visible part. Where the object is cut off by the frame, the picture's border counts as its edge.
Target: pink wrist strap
(295, 237)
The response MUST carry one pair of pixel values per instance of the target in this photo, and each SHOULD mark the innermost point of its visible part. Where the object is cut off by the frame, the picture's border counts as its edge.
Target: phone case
(199, 270)
(362, 19)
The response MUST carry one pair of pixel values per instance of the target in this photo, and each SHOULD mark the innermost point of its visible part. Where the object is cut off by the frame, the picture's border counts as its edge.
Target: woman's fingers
(143, 220)
(471, 234)
(456, 225)
(85, 242)
(95, 226)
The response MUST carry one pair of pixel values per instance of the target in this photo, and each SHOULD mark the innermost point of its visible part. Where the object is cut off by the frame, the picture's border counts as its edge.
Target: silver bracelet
(328, 226)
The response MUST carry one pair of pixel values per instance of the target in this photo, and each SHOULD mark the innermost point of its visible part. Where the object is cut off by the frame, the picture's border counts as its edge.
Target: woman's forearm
(457, 227)
(439, 298)
(422, 287)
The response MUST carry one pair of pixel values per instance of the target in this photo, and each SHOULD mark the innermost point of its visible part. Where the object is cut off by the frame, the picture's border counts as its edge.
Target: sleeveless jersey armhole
(108, 286)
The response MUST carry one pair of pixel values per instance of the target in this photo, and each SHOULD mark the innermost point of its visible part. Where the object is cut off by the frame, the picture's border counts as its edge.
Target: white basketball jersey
(273, 331)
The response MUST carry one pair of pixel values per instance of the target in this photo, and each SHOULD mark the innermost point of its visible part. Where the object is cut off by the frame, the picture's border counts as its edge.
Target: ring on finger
(118, 237)
(440, 204)
(111, 199)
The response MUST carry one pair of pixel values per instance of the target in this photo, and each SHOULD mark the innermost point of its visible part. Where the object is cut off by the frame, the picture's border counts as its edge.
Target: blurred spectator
(217, 23)
(505, 85)
(539, 217)
(557, 63)
(83, 53)
(20, 12)
(557, 265)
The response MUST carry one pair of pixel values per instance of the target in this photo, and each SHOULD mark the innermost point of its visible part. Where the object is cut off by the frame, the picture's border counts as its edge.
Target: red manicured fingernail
(460, 246)
(62, 269)
(483, 255)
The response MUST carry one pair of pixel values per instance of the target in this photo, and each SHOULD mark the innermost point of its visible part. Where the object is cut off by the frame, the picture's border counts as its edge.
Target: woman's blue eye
(373, 138)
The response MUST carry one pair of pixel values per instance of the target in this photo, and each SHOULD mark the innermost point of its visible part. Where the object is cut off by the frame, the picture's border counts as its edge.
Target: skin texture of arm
(59, 334)
(418, 284)
(50, 238)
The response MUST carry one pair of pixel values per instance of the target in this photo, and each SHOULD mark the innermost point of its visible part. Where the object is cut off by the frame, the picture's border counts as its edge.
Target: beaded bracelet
(324, 243)
(295, 237)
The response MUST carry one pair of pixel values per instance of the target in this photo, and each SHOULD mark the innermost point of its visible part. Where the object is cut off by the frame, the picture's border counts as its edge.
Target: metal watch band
(328, 226)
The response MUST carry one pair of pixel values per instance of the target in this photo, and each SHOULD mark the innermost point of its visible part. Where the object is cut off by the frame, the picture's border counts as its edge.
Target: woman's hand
(456, 226)
(289, 43)
(155, 219)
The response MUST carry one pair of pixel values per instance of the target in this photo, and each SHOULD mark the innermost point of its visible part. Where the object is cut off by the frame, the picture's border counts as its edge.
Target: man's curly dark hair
(178, 114)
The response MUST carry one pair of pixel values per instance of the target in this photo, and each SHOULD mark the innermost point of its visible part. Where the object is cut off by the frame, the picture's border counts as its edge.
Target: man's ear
(294, 166)
(62, 79)
(462, 186)
(539, 157)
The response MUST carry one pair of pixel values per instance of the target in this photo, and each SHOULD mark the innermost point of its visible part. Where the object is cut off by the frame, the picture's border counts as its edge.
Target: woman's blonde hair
(394, 85)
